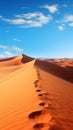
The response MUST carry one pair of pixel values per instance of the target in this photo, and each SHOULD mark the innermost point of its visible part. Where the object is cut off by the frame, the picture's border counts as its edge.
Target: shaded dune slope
(26, 59)
(70, 67)
(64, 73)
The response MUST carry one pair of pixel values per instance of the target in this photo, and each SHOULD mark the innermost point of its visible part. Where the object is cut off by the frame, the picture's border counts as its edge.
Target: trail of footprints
(43, 104)
(36, 114)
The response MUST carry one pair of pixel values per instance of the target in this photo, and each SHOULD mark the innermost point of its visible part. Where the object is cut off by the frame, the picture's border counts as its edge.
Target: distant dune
(50, 67)
(9, 65)
(36, 94)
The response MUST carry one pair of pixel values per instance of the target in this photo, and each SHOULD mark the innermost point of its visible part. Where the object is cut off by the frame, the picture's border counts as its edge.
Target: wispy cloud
(3, 47)
(38, 19)
(61, 28)
(35, 19)
(14, 21)
(28, 15)
(17, 40)
(68, 18)
(12, 48)
(17, 49)
(51, 8)
(8, 53)
(71, 24)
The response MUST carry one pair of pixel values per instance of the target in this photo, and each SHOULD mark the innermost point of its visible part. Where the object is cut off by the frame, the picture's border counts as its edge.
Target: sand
(31, 98)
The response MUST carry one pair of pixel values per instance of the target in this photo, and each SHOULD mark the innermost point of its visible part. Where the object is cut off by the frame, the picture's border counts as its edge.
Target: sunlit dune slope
(16, 98)
(35, 95)
(19, 101)
(11, 64)
(17, 60)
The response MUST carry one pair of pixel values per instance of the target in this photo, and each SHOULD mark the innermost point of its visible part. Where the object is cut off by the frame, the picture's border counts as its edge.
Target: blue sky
(36, 28)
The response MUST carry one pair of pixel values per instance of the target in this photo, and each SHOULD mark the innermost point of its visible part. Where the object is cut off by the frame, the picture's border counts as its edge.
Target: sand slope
(19, 101)
(34, 96)
(59, 94)
(17, 97)
(11, 64)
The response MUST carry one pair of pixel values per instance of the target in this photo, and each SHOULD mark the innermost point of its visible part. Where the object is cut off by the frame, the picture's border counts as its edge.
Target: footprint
(38, 125)
(42, 104)
(36, 81)
(34, 114)
(38, 90)
(36, 85)
(40, 95)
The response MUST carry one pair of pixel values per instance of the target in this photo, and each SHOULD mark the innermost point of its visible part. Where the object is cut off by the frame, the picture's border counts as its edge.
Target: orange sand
(32, 99)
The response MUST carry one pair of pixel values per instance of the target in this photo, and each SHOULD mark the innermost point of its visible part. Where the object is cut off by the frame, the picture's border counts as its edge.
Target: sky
(37, 28)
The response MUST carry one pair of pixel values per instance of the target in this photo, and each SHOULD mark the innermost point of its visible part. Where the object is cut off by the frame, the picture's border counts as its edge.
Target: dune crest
(35, 95)
(12, 64)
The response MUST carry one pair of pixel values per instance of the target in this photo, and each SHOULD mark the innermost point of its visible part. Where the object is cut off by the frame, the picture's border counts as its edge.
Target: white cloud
(71, 24)
(14, 21)
(12, 48)
(28, 15)
(61, 28)
(3, 47)
(51, 8)
(31, 23)
(17, 49)
(35, 19)
(68, 18)
(7, 53)
(17, 40)
(45, 19)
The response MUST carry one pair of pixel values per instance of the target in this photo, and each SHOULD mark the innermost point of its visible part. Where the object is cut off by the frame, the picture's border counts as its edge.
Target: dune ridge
(58, 96)
(19, 101)
(64, 73)
(12, 64)
(33, 96)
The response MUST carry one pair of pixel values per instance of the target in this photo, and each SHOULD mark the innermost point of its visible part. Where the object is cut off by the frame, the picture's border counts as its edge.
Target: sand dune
(62, 72)
(34, 98)
(11, 64)
(56, 83)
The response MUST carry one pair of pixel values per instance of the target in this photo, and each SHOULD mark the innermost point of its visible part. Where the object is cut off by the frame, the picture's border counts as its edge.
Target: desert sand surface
(65, 62)
(34, 97)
